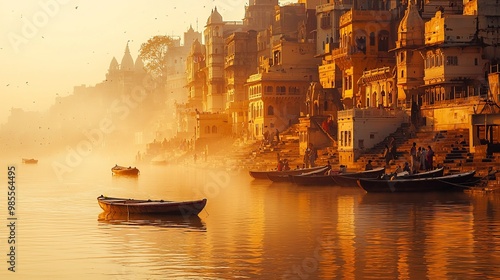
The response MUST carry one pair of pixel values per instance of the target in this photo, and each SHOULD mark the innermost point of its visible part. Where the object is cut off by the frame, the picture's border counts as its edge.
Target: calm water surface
(248, 230)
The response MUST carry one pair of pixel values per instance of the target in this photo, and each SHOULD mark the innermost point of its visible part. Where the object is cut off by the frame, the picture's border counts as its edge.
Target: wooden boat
(136, 206)
(438, 172)
(314, 179)
(279, 177)
(30, 161)
(263, 174)
(452, 182)
(127, 171)
(349, 179)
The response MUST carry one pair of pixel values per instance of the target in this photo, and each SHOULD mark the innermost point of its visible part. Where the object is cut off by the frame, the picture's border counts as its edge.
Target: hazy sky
(49, 46)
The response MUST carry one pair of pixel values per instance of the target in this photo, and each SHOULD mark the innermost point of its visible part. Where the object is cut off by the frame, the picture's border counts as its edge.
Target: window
(326, 21)
(451, 60)
(383, 41)
(372, 39)
(361, 44)
(214, 129)
(270, 111)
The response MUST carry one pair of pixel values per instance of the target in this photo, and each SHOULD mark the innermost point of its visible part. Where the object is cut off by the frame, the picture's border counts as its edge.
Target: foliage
(154, 55)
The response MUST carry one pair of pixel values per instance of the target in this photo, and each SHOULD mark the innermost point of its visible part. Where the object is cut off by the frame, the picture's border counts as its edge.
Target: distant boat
(137, 206)
(452, 182)
(263, 174)
(30, 161)
(159, 160)
(127, 171)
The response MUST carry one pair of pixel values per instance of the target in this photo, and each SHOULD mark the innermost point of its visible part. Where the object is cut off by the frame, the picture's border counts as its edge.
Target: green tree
(154, 55)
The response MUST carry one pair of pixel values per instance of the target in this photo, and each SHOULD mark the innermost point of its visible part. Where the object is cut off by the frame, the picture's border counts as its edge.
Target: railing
(366, 113)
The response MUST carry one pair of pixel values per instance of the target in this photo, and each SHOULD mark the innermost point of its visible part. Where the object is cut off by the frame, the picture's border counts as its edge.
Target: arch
(270, 110)
(383, 41)
(214, 129)
(207, 129)
(360, 40)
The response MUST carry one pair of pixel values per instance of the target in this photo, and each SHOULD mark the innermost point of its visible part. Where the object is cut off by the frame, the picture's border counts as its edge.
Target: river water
(248, 230)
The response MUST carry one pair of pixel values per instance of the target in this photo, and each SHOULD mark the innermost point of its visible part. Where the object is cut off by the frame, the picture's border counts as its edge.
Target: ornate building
(364, 44)
(277, 93)
(259, 14)
(409, 62)
(240, 62)
(214, 44)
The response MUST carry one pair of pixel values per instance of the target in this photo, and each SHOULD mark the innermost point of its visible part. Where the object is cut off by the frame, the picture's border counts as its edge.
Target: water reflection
(165, 221)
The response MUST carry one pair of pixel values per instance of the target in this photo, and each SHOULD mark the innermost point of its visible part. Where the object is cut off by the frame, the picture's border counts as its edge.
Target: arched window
(270, 111)
(214, 129)
(372, 38)
(383, 41)
(207, 129)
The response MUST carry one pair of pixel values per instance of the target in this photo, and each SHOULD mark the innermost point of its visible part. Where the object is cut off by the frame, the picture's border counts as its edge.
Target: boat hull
(455, 182)
(350, 179)
(263, 175)
(125, 171)
(30, 161)
(134, 206)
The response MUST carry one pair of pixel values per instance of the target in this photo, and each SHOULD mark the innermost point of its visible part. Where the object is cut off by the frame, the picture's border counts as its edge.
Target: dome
(196, 47)
(412, 24)
(139, 65)
(127, 61)
(113, 66)
(214, 18)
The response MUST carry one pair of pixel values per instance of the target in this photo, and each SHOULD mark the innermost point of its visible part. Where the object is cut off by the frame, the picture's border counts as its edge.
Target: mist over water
(249, 229)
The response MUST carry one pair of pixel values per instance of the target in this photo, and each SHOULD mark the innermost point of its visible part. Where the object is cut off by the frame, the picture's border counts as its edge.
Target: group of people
(283, 165)
(310, 156)
(421, 158)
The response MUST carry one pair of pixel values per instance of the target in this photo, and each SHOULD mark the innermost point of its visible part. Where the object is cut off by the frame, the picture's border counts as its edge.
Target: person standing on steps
(387, 156)
(369, 165)
(413, 158)
(423, 159)
(307, 153)
(430, 158)
(313, 155)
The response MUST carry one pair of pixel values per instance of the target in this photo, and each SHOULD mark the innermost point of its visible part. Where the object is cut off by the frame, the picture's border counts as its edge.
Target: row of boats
(375, 180)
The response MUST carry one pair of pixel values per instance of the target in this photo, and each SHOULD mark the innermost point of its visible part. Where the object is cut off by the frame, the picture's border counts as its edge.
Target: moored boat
(137, 206)
(127, 171)
(453, 182)
(314, 179)
(349, 179)
(438, 172)
(30, 161)
(279, 177)
(263, 174)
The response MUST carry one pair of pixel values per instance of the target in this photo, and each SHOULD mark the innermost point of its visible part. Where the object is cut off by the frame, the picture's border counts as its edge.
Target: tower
(409, 62)
(259, 14)
(214, 41)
